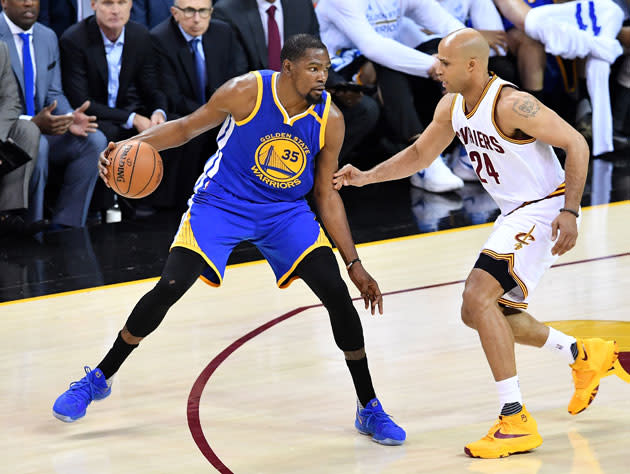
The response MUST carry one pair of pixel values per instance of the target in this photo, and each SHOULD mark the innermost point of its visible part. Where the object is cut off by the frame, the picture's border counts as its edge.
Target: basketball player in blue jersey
(280, 138)
(508, 135)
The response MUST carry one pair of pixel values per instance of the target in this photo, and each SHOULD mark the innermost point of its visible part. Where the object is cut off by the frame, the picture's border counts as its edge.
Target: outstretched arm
(236, 97)
(519, 110)
(333, 213)
(436, 137)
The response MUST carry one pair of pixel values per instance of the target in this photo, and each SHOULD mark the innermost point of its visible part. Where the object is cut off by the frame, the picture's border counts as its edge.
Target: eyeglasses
(189, 12)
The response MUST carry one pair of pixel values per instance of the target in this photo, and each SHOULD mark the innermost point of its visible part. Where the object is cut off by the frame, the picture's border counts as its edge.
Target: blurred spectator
(25, 134)
(579, 29)
(363, 30)
(110, 61)
(262, 26)
(191, 67)
(250, 19)
(151, 13)
(190, 33)
(481, 15)
(69, 137)
(59, 15)
(551, 79)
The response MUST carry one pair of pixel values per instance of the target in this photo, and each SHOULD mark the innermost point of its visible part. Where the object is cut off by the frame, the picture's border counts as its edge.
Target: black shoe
(10, 224)
(14, 225)
(36, 227)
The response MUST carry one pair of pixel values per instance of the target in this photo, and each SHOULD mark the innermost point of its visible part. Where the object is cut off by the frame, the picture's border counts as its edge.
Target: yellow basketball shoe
(594, 360)
(510, 435)
(619, 370)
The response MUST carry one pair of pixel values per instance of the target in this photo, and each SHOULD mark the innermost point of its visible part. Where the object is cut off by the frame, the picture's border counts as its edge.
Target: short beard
(310, 100)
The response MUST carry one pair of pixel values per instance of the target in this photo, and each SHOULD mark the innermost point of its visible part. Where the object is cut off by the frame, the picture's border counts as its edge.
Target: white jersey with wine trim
(513, 171)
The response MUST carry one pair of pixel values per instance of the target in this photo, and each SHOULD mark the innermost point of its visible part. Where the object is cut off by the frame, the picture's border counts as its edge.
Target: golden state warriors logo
(280, 160)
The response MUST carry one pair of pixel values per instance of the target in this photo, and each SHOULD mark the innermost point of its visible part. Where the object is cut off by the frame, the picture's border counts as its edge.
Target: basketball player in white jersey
(578, 29)
(508, 135)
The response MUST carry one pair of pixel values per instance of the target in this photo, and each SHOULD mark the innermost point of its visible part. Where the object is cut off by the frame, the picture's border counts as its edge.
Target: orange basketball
(135, 169)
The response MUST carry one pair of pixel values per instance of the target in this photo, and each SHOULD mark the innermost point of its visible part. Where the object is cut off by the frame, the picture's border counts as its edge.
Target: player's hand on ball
(370, 292)
(349, 176)
(103, 162)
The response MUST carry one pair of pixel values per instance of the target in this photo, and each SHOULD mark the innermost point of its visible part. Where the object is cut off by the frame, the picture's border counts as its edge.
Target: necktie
(200, 70)
(273, 40)
(29, 74)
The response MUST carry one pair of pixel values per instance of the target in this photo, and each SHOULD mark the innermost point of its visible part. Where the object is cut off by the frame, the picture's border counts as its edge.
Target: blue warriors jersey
(268, 156)
(252, 189)
(532, 3)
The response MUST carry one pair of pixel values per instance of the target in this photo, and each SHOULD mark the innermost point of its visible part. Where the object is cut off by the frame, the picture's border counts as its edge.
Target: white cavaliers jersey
(514, 172)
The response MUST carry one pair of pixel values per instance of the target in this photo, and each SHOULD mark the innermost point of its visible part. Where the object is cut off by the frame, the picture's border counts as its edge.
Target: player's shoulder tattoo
(526, 106)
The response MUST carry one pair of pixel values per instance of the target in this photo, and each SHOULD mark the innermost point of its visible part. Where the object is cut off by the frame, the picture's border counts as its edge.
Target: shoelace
(84, 388)
(378, 419)
(498, 425)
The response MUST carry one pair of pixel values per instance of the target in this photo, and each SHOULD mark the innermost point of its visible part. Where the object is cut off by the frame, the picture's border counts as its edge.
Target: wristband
(571, 211)
(352, 262)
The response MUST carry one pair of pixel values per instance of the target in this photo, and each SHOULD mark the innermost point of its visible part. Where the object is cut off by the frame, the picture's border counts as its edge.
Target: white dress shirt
(113, 56)
(263, 6)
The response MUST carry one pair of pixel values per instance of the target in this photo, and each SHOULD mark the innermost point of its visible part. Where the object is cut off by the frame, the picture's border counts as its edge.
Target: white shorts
(523, 240)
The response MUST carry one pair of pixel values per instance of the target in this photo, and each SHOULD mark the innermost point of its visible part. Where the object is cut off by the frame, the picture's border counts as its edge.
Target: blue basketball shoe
(372, 420)
(71, 405)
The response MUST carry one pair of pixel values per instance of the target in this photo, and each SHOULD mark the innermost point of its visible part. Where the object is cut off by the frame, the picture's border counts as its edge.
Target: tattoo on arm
(527, 107)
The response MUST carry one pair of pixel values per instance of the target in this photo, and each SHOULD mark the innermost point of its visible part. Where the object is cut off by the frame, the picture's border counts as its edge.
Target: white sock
(560, 343)
(509, 391)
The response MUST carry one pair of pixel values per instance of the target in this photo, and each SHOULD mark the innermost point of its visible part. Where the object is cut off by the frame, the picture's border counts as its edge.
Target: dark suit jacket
(48, 79)
(224, 59)
(59, 15)
(151, 12)
(85, 72)
(243, 16)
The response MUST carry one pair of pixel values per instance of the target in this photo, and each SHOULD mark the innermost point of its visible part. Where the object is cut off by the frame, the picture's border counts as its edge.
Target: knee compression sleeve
(182, 268)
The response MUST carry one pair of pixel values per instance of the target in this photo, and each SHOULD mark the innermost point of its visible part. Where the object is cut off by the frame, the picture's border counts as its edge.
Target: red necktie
(273, 40)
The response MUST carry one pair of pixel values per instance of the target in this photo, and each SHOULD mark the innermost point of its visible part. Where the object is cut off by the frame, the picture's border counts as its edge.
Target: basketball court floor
(247, 379)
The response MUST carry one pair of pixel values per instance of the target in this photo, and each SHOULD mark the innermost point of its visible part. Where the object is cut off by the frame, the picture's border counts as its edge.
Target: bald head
(467, 44)
(463, 61)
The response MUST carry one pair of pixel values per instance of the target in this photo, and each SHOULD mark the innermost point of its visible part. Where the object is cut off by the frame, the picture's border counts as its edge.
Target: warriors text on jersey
(512, 171)
(268, 156)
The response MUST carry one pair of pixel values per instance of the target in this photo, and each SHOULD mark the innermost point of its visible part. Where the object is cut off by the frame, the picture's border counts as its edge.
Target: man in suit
(59, 15)
(151, 13)
(109, 61)
(250, 20)
(197, 54)
(263, 25)
(69, 137)
(25, 134)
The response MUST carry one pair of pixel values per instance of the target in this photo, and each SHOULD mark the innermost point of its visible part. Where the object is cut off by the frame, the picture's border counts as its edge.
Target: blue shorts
(217, 221)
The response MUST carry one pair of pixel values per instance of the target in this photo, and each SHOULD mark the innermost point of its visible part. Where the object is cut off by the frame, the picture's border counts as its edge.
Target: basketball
(135, 169)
